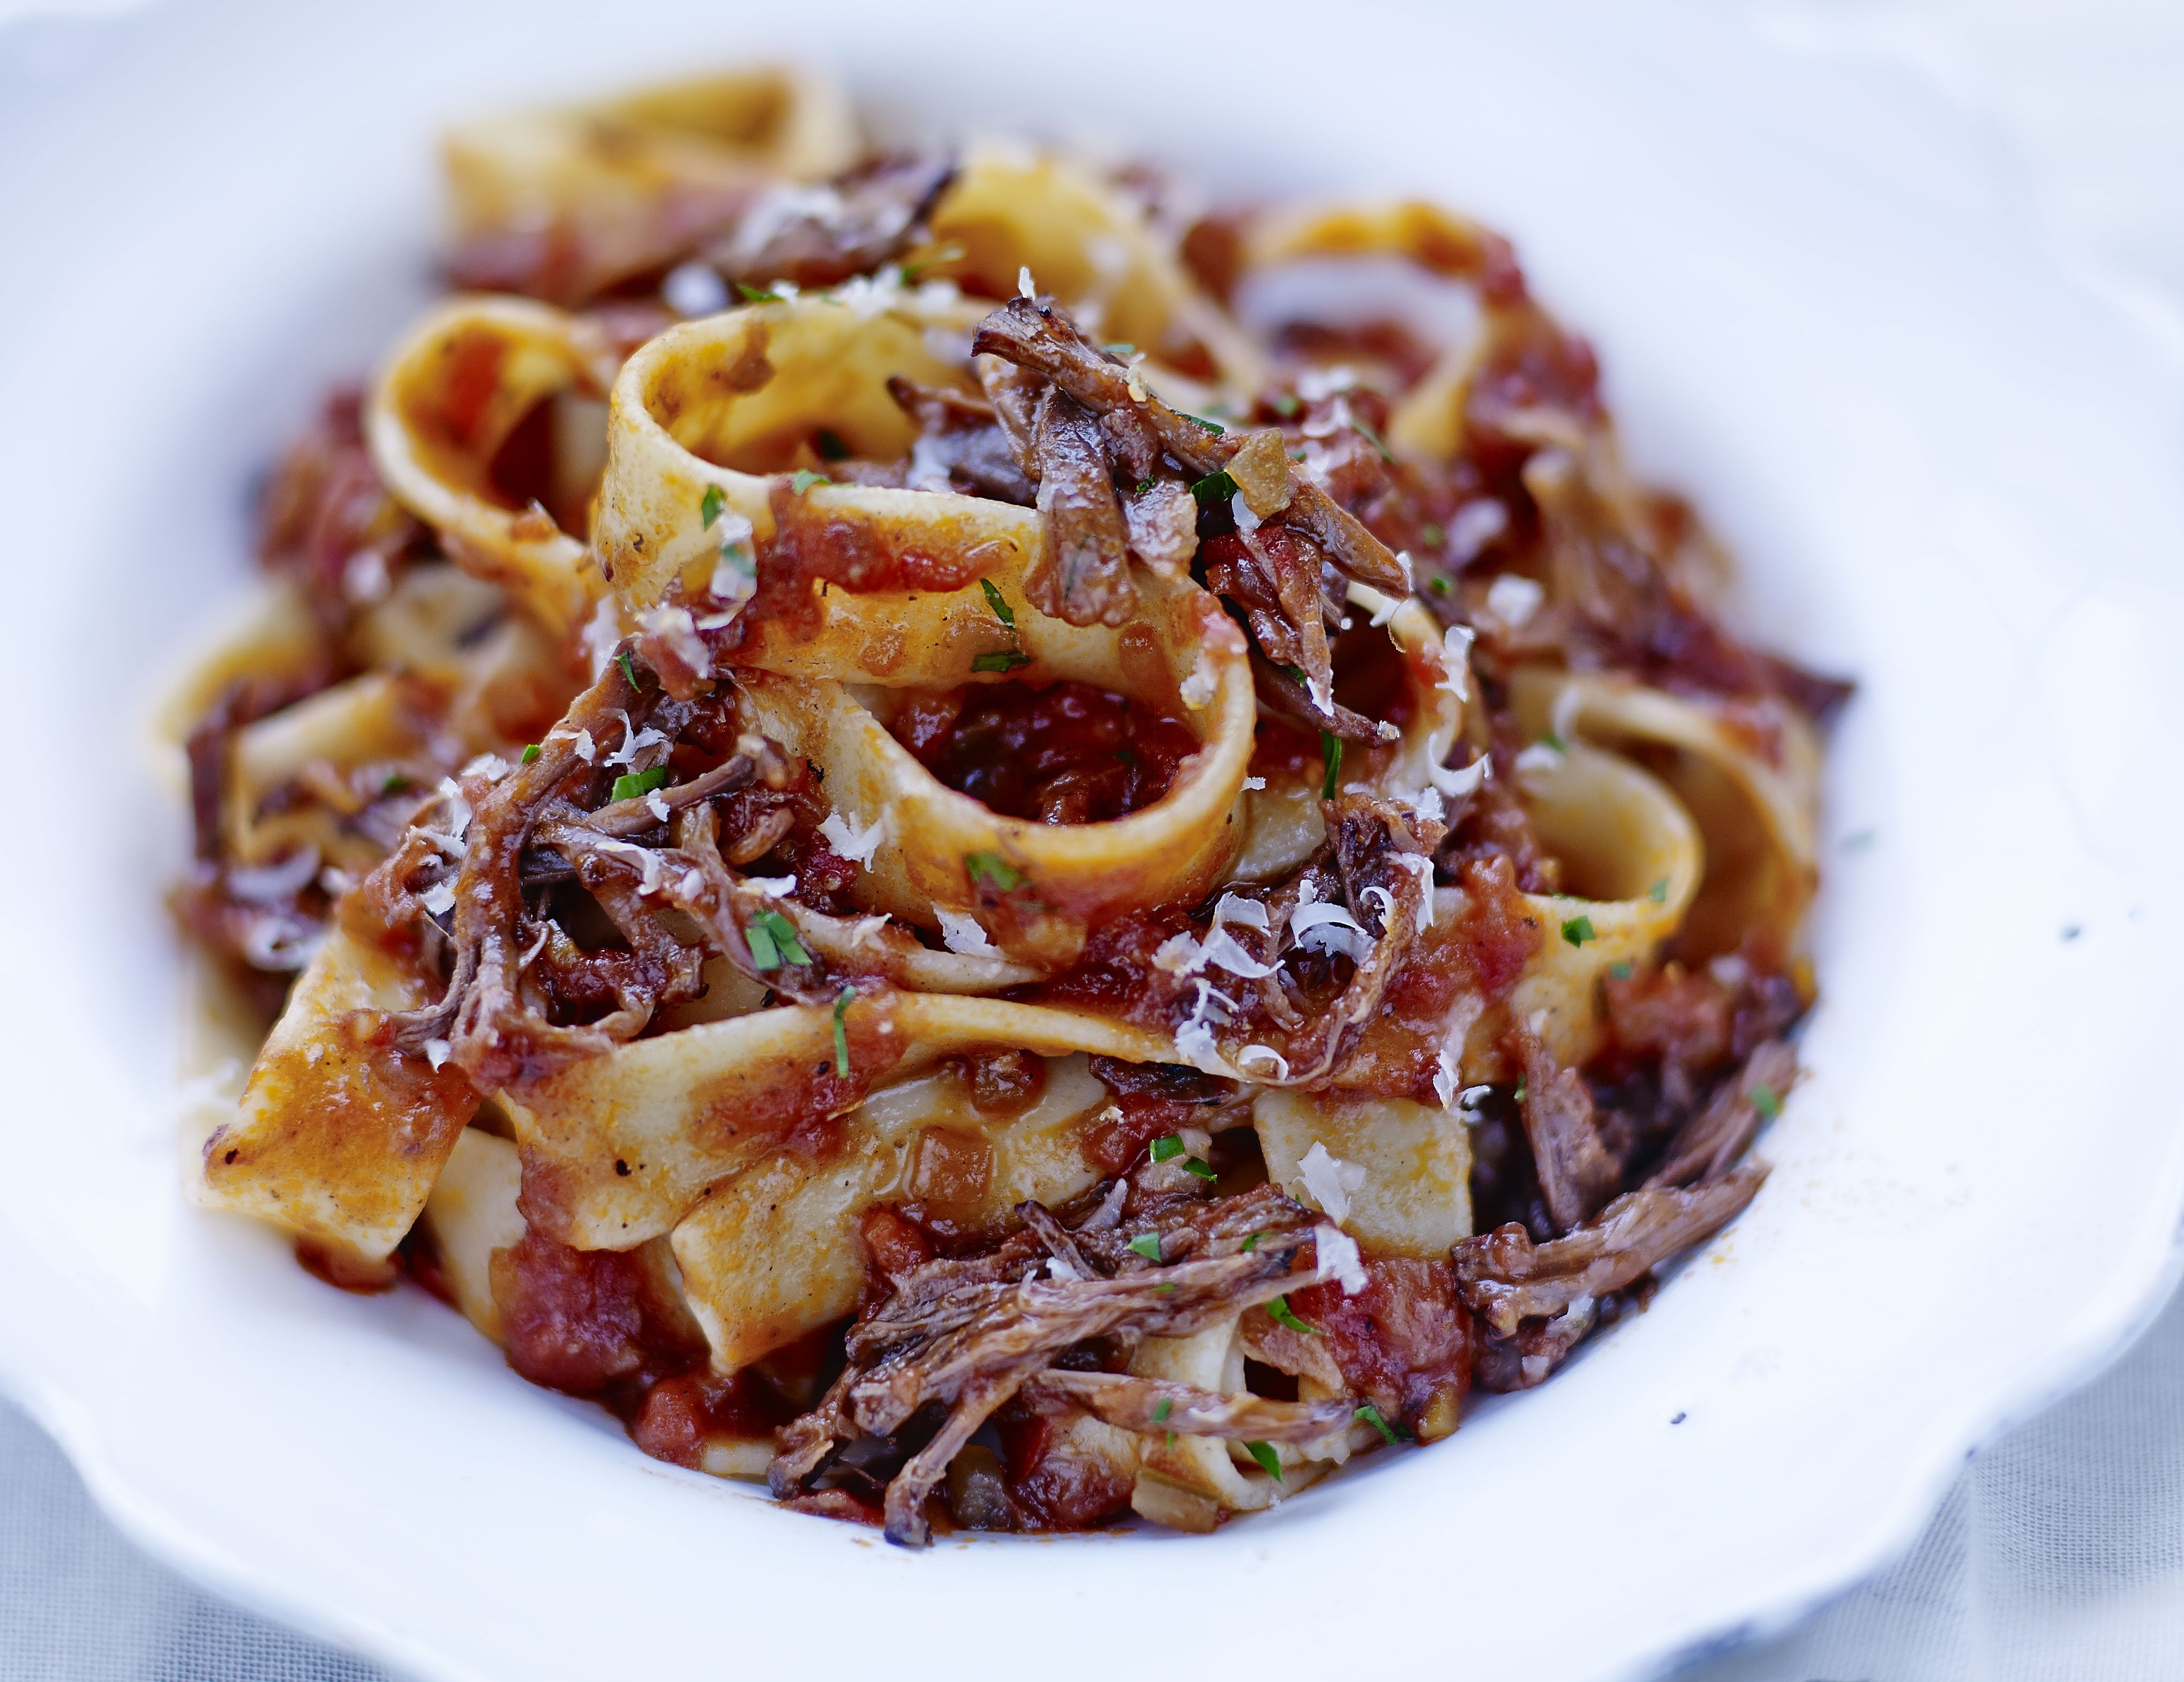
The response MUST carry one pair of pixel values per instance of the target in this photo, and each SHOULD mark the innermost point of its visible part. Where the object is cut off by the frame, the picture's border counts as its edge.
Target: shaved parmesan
(1339, 1258)
(1539, 759)
(774, 887)
(854, 841)
(1223, 951)
(961, 933)
(1329, 928)
(672, 628)
(1422, 868)
(602, 632)
(1024, 288)
(656, 806)
(1056, 1268)
(1513, 598)
(1180, 955)
(1476, 525)
(440, 898)
(1456, 784)
(1329, 1180)
(1445, 1077)
(1255, 783)
(1387, 904)
(648, 862)
(694, 288)
(633, 742)
(1232, 908)
(437, 1051)
(1456, 653)
(1250, 1059)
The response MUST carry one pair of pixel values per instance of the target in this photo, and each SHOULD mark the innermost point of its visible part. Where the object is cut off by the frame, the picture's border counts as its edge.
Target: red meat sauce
(1065, 753)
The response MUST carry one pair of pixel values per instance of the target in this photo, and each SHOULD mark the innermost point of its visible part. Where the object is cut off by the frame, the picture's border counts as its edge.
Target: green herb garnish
(999, 603)
(1269, 1462)
(841, 1032)
(950, 253)
(1214, 490)
(1002, 660)
(1168, 1149)
(1372, 1416)
(1200, 1167)
(1373, 439)
(1330, 759)
(628, 669)
(1213, 427)
(710, 505)
(636, 785)
(1518, 1095)
(530, 753)
(1285, 404)
(804, 479)
(1163, 1409)
(773, 943)
(1766, 1103)
(1577, 930)
(395, 783)
(1120, 347)
(1620, 969)
(992, 869)
(765, 955)
(1552, 738)
(1433, 533)
(1252, 1243)
(751, 294)
(1659, 893)
(1279, 1312)
(1438, 586)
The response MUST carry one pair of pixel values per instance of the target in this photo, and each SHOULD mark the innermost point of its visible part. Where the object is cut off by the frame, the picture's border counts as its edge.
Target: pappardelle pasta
(989, 847)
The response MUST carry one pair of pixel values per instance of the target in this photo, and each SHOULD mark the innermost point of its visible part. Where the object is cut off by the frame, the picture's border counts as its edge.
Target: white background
(2060, 1553)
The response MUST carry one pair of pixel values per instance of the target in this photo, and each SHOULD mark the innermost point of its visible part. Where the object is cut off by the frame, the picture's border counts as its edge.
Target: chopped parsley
(1163, 1409)
(1200, 1166)
(1168, 1149)
(1433, 533)
(950, 253)
(1659, 893)
(1147, 1244)
(1764, 1100)
(530, 753)
(710, 505)
(1552, 738)
(1269, 1462)
(773, 942)
(395, 783)
(1330, 759)
(841, 1032)
(1252, 1243)
(1577, 930)
(829, 445)
(1001, 660)
(751, 294)
(1372, 1416)
(1518, 1095)
(1438, 586)
(629, 670)
(1279, 1312)
(1120, 347)
(1213, 427)
(804, 479)
(992, 870)
(1285, 404)
(1620, 969)
(1373, 438)
(636, 785)
(999, 603)
(1214, 490)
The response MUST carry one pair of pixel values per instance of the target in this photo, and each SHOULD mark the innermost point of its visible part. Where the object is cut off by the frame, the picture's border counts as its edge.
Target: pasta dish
(978, 840)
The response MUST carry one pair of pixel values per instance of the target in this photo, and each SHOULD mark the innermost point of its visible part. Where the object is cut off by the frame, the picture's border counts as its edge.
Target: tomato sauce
(1068, 754)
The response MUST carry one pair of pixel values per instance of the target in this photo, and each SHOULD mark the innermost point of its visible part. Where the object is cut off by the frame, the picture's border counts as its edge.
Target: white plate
(1947, 469)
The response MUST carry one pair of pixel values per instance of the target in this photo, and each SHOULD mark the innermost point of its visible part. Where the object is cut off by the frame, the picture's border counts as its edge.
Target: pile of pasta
(980, 842)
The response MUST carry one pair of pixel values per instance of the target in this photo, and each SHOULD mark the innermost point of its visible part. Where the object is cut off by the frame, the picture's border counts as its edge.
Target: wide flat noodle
(451, 396)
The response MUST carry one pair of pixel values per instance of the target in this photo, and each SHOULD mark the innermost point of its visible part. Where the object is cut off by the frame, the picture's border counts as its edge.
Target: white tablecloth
(2060, 1552)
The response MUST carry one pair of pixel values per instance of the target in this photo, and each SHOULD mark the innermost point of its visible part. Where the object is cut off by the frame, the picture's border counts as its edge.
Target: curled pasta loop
(590, 194)
(745, 387)
(1094, 249)
(1748, 773)
(449, 400)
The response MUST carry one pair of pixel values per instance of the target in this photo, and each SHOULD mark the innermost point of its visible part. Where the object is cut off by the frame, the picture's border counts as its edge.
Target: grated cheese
(1024, 288)
(1329, 1180)
(1255, 783)
(1539, 759)
(1455, 654)
(1252, 1054)
(694, 288)
(1339, 1258)
(960, 932)
(1320, 927)
(1514, 599)
(1456, 784)
(672, 627)
(656, 806)
(1232, 908)
(437, 1051)
(774, 887)
(1475, 525)
(856, 842)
